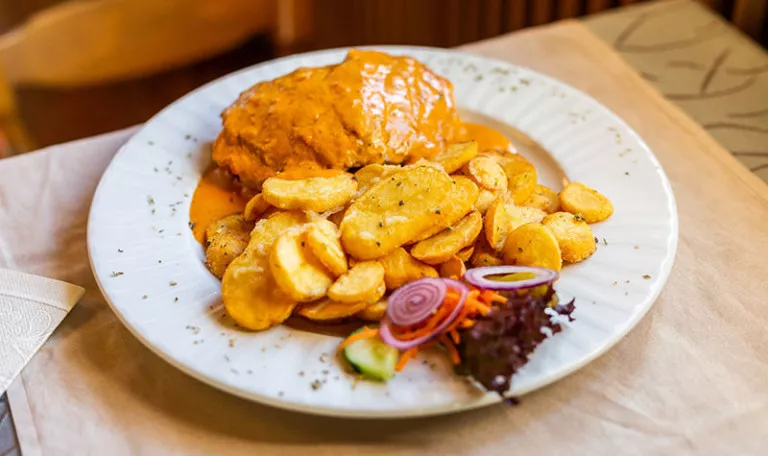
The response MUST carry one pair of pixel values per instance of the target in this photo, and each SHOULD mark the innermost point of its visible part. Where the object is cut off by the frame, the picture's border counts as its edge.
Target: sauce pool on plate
(214, 199)
(487, 137)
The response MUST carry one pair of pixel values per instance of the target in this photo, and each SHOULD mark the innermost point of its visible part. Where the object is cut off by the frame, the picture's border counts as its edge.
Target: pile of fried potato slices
(331, 246)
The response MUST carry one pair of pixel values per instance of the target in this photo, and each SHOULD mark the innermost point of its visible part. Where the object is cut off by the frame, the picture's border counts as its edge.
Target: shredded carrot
(451, 349)
(490, 296)
(365, 333)
(408, 354)
(455, 336)
(468, 323)
(465, 311)
(481, 308)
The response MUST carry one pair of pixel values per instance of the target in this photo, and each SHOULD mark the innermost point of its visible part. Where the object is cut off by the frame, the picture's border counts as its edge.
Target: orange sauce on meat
(487, 137)
(213, 199)
(370, 108)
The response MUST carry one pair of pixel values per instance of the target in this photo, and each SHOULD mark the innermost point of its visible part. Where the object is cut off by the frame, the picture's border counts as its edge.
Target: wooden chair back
(90, 42)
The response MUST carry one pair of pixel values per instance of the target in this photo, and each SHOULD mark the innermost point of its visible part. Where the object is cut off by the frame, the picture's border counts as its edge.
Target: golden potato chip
(521, 174)
(504, 217)
(297, 271)
(249, 291)
(522, 215)
(463, 198)
(496, 224)
(323, 241)
(487, 173)
(398, 210)
(453, 268)
(442, 246)
(579, 199)
(400, 268)
(521, 178)
(256, 206)
(317, 194)
(328, 309)
(456, 155)
(375, 311)
(533, 244)
(484, 255)
(363, 282)
(480, 259)
(225, 240)
(543, 198)
(573, 235)
(484, 200)
(370, 175)
(466, 253)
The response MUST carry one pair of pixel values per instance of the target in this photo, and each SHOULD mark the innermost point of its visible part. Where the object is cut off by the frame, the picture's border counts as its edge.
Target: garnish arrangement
(487, 326)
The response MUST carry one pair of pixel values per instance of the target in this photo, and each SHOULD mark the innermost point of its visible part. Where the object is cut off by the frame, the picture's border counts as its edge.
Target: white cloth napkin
(31, 307)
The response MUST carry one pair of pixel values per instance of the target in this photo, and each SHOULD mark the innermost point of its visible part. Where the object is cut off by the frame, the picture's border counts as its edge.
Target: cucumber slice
(372, 358)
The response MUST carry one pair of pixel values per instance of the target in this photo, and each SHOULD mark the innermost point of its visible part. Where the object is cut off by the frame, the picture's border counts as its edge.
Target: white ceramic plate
(151, 270)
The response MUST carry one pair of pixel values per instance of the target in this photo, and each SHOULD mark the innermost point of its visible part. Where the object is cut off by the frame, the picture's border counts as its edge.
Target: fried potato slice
(480, 259)
(363, 282)
(400, 268)
(375, 311)
(372, 174)
(453, 268)
(256, 207)
(533, 244)
(503, 217)
(328, 309)
(442, 246)
(318, 194)
(249, 290)
(487, 173)
(323, 241)
(577, 198)
(521, 174)
(484, 200)
(466, 253)
(456, 155)
(225, 240)
(573, 235)
(484, 255)
(398, 210)
(497, 223)
(296, 269)
(461, 202)
(521, 178)
(543, 198)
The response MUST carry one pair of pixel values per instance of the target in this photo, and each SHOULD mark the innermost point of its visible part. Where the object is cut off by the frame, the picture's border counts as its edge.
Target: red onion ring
(414, 302)
(477, 277)
(385, 330)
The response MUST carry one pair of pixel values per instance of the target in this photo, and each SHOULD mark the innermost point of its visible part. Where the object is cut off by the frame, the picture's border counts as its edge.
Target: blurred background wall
(70, 69)
(454, 22)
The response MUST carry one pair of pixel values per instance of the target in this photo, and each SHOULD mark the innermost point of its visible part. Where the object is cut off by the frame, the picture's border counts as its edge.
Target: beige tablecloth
(691, 378)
